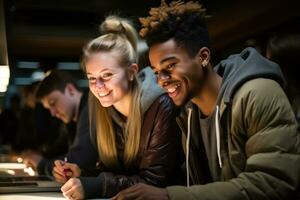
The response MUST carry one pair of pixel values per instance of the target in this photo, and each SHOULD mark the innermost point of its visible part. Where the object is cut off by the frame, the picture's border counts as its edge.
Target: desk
(13, 170)
(35, 196)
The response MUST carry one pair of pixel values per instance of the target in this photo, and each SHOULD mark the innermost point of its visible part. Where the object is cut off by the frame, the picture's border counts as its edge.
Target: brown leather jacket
(160, 154)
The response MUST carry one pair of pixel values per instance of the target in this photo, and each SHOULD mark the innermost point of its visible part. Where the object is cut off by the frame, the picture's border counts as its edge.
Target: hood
(235, 71)
(150, 89)
(239, 68)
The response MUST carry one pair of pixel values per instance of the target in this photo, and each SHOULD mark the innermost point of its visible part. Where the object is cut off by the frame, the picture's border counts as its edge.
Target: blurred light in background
(142, 46)
(34, 77)
(28, 65)
(19, 159)
(11, 172)
(23, 81)
(4, 77)
(68, 65)
(12, 166)
(37, 76)
(83, 83)
(29, 171)
(16, 169)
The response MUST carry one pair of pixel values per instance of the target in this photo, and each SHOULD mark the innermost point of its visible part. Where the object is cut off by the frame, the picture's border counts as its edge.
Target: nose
(99, 83)
(163, 77)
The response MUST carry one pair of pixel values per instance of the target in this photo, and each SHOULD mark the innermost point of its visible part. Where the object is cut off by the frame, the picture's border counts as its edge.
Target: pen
(66, 170)
(65, 159)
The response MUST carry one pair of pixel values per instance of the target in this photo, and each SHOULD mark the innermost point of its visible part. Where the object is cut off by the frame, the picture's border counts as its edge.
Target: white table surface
(32, 196)
(35, 196)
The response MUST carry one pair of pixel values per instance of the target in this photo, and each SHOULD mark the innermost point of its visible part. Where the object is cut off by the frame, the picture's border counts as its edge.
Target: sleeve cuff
(93, 186)
(45, 167)
(178, 192)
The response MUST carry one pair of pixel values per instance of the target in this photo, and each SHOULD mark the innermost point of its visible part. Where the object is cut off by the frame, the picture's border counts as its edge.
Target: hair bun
(112, 24)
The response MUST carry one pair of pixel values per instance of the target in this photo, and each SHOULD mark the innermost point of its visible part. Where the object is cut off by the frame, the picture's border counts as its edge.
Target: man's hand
(63, 171)
(32, 158)
(142, 192)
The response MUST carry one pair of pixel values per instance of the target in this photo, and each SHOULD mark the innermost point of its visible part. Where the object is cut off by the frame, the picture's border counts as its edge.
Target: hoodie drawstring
(218, 137)
(188, 142)
(187, 148)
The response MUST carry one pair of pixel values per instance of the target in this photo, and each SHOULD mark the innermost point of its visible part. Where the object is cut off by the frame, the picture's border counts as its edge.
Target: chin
(180, 100)
(66, 121)
(105, 104)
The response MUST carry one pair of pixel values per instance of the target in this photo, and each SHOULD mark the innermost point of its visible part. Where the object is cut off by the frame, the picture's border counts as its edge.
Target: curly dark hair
(184, 22)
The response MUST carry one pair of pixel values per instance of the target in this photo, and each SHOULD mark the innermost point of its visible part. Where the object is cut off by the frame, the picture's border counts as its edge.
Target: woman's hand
(32, 158)
(63, 171)
(73, 189)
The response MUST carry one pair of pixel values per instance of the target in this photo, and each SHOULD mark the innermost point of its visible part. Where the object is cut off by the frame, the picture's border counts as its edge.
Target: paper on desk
(36, 196)
(12, 166)
(33, 196)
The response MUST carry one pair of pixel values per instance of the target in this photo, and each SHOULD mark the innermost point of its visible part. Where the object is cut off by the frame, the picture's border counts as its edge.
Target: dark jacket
(258, 140)
(160, 146)
(81, 152)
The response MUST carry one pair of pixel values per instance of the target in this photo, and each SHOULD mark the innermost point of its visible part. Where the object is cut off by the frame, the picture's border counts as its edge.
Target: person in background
(136, 134)
(284, 49)
(33, 138)
(9, 123)
(27, 137)
(241, 134)
(25, 128)
(59, 93)
(54, 140)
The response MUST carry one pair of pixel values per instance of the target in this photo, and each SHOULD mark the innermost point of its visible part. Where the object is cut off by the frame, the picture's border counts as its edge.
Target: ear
(44, 102)
(70, 88)
(132, 71)
(203, 56)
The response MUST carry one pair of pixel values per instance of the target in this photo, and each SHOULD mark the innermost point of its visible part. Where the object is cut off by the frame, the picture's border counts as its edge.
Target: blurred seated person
(59, 93)
(27, 135)
(284, 49)
(32, 134)
(9, 120)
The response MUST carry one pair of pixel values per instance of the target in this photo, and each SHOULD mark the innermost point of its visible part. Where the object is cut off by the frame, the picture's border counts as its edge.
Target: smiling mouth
(102, 94)
(172, 89)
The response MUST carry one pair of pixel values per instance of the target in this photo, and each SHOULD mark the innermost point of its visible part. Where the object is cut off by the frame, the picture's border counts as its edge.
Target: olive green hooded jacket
(257, 136)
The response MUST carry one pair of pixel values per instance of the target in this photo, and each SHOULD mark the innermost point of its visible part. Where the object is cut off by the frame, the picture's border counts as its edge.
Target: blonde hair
(118, 36)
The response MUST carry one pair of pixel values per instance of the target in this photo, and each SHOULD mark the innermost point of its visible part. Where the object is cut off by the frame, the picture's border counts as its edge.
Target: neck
(123, 105)
(77, 104)
(207, 97)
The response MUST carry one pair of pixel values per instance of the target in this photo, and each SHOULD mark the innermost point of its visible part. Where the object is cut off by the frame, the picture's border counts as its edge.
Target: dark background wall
(46, 34)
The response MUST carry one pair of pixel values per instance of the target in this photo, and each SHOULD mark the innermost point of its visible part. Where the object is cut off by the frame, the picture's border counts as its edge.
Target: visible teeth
(172, 89)
(103, 94)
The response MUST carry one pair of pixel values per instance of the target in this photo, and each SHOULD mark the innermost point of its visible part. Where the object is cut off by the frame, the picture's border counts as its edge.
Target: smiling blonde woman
(136, 132)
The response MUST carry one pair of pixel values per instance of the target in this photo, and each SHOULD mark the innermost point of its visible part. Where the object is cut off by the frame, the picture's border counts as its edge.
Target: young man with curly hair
(241, 134)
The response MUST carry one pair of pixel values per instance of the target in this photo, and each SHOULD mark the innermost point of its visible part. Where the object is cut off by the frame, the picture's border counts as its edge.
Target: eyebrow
(106, 69)
(167, 59)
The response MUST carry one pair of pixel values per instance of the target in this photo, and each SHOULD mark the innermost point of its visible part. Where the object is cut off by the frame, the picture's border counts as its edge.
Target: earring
(131, 78)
